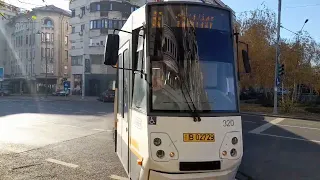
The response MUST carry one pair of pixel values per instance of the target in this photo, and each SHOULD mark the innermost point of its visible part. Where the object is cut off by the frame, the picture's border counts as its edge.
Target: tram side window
(120, 86)
(140, 84)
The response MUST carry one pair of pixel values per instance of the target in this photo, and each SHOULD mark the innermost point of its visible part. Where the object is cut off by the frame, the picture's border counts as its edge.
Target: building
(7, 11)
(91, 21)
(38, 47)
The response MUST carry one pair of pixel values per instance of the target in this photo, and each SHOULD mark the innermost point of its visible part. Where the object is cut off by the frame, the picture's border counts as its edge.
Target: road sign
(278, 81)
(66, 85)
(1, 73)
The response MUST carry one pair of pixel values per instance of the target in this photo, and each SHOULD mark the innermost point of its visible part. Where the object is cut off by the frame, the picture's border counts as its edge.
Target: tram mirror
(246, 61)
(111, 50)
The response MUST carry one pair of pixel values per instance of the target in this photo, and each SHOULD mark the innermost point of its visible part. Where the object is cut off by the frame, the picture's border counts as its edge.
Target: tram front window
(192, 59)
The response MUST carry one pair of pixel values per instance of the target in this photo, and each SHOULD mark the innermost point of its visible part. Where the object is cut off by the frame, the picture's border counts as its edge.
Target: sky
(294, 12)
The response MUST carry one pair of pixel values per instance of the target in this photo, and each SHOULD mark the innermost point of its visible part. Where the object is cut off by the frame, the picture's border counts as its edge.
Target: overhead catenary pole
(275, 94)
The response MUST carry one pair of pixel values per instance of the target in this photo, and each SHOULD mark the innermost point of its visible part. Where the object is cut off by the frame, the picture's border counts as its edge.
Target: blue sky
(294, 13)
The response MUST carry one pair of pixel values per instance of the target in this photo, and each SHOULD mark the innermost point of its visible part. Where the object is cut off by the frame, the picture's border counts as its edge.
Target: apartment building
(38, 45)
(7, 11)
(91, 21)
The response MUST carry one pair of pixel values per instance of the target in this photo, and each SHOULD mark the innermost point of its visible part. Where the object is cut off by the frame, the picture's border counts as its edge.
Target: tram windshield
(192, 58)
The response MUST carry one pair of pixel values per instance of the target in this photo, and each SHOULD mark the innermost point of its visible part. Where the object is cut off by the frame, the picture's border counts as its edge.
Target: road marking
(266, 126)
(292, 138)
(250, 122)
(100, 130)
(302, 127)
(118, 177)
(62, 163)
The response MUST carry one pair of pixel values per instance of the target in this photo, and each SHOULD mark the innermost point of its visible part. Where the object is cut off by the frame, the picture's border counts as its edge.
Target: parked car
(107, 96)
(4, 92)
(60, 93)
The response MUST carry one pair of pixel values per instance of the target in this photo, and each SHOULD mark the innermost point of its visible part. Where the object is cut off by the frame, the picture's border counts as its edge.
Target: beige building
(38, 46)
(7, 12)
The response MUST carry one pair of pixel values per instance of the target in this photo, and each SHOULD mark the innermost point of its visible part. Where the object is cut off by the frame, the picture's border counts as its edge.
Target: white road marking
(62, 163)
(100, 130)
(118, 177)
(292, 138)
(250, 122)
(266, 126)
(302, 127)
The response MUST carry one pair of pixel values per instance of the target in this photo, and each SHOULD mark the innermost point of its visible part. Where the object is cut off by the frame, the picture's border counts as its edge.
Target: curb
(280, 116)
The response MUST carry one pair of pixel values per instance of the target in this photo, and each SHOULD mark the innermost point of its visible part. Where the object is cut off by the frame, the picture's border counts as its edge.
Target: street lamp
(46, 55)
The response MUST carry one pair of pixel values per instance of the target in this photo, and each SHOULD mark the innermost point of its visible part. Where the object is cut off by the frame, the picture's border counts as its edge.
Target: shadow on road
(279, 152)
(96, 108)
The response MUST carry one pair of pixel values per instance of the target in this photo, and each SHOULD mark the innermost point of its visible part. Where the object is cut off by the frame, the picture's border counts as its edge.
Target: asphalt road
(58, 139)
(281, 148)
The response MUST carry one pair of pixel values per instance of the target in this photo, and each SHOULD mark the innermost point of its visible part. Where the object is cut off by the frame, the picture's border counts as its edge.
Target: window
(76, 60)
(30, 40)
(73, 13)
(96, 59)
(110, 6)
(43, 37)
(47, 36)
(42, 55)
(101, 42)
(66, 40)
(26, 39)
(52, 53)
(67, 54)
(94, 24)
(83, 10)
(91, 24)
(140, 85)
(115, 24)
(82, 27)
(47, 52)
(27, 53)
(98, 7)
(48, 22)
(120, 86)
(110, 24)
(52, 37)
(98, 24)
(73, 30)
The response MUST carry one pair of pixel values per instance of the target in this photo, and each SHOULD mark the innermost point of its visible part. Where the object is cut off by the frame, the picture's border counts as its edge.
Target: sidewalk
(42, 97)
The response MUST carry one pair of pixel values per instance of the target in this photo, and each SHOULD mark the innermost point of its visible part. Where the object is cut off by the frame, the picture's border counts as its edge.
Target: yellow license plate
(198, 137)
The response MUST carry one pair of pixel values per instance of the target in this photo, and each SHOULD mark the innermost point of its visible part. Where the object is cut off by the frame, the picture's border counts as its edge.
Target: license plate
(198, 137)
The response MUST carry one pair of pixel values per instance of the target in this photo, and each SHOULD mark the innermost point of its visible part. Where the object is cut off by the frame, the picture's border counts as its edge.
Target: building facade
(7, 12)
(38, 56)
(91, 21)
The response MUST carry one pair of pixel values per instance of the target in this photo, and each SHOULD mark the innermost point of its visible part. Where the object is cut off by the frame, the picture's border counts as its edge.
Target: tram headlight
(233, 152)
(157, 141)
(234, 140)
(160, 154)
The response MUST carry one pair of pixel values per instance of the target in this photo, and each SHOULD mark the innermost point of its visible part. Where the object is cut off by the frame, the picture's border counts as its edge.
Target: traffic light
(281, 69)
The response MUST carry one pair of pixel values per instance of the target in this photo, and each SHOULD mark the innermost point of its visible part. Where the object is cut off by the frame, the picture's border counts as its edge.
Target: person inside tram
(162, 98)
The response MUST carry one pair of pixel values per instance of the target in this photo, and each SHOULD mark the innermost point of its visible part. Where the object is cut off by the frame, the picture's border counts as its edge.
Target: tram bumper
(221, 175)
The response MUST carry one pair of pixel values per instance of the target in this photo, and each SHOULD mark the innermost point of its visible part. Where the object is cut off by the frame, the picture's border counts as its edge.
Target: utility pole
(275, 94)
(46, 79)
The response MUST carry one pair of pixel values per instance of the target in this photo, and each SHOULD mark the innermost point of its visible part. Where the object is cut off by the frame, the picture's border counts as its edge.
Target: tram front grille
(200, 166)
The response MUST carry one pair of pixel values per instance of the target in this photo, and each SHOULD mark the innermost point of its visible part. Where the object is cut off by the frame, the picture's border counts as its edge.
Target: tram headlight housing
(162, 147)
(160, 154)
(231, 146)
(234, 140)
(157, 141)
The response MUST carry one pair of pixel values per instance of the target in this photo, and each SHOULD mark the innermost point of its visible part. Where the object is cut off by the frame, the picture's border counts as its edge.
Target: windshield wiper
(194, 113)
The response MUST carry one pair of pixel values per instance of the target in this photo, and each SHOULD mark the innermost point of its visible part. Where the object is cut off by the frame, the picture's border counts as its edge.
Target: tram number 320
(228, 123)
